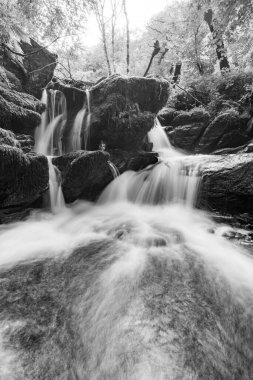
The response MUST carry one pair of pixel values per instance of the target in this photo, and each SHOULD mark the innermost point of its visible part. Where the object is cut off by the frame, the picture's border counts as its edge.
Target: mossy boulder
(84, 174)
(23, 177)
(227, 130)
(123, 109)
(19, 112)
(227, 183)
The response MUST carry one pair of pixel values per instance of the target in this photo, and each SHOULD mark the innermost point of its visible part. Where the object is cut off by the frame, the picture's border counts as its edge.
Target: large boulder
(227, 130)
(84, 174)
(123, 109)
(125, 160)
(196, 115)
(185, 137)
(227, 183)
(23, 177)
(19, 112)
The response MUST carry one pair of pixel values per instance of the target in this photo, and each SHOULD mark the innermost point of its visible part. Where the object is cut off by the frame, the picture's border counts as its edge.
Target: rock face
(23, 177)
(123, 109)
(32, 72)
(194, 132)
(227, 183)
(19, 112)
(125, 160)
(227, 130)
(84, 174)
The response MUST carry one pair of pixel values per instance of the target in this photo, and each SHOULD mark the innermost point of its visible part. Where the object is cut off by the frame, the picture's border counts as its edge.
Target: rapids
(124, 291)
(138, 286)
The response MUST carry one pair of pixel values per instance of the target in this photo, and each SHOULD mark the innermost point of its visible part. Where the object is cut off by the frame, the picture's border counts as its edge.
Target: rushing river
(139, 286)
(124, 291)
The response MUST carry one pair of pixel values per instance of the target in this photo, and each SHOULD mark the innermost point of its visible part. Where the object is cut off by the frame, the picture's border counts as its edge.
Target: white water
(81, 126)
(174, 179)
(113, 169)
(87, 125)
(151, 270)
(57, 203)
(151, 288)
(48, 141)
(77, 129)
(48, 136)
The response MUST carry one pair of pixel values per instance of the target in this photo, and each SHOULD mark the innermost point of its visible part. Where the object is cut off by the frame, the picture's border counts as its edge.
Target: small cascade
(113, 169)
(87, 125)
(174, 179)
(56, 198)
(81, 126)
(77, 129)
(48, 136)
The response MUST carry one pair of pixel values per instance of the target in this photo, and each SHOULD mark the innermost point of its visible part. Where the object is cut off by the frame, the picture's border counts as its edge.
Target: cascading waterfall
(48, 136)
(113, 169)
(135, 287)
(174, 179)
(87, 125)
(57, 202)
(81, 125)
(77, 129)
(48, 141)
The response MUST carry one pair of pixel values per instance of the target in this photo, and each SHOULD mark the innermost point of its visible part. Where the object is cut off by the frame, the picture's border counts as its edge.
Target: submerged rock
(84, 174)
(23, 177)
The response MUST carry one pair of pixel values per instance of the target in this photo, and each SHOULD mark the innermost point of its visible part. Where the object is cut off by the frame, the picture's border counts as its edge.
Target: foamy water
(150, 265)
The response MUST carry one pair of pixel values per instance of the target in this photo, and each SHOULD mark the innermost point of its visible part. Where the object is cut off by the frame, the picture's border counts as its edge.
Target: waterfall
(48, 141)
(174, 179)
(81, 126)
(48, 136)
(87, 125)
(113, 169)
(57, 202)
(77, 129)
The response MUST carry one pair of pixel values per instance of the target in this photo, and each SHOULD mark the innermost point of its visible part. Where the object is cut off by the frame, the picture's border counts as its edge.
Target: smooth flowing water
(81, 127)
(56, 198)
(48, 136)
(174, 179)
(48, 141)
(139, 286)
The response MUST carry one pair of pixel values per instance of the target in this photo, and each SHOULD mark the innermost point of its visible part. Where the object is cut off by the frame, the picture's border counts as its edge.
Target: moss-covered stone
(23, 177)
(19, 112)
(122, 109)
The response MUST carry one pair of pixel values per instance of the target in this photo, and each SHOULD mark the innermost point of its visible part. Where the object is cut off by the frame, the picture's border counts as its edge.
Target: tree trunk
(106, 51)
(155, 52)
(177, 72)
(128, 35)
(220, 48)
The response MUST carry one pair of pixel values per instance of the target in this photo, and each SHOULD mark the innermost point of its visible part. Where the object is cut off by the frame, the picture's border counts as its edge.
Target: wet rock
(20, 112)
(225, 131)
(84, 174)
(8, 138)
(196, 115)
(123, 109)
(186, 136)
(136, 161)
(23, 177)
(227, 183)
(166, 115)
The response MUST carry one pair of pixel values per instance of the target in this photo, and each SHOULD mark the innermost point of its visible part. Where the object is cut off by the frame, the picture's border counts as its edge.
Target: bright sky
(139, 12)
